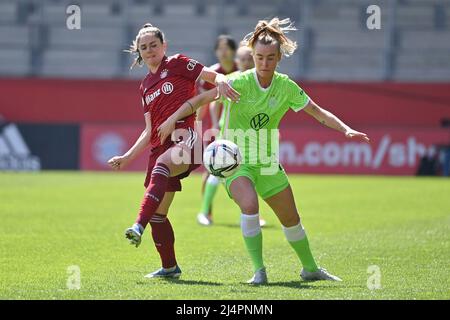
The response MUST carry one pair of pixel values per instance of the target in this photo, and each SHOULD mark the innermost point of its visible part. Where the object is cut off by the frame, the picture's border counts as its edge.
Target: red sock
(154, 193)
(164, 239)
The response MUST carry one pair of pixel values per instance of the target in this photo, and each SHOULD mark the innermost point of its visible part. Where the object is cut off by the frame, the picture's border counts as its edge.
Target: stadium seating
(334, 40)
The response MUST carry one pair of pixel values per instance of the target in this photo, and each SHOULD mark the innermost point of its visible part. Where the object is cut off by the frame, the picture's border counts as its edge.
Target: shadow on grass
(294, 284)
(291, 284)
(286, 284)
(298, 284)
(237, 226)
(181, 281)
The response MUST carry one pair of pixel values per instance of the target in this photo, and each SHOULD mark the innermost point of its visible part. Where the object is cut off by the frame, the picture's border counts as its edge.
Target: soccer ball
(222, 158)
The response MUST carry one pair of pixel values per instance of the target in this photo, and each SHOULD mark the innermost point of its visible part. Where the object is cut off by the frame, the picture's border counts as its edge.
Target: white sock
(294, 233)
(213, 180)
(139, 227)
(250, 224)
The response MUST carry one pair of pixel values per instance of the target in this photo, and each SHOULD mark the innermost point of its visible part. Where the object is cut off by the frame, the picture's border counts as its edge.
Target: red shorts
(174, 182)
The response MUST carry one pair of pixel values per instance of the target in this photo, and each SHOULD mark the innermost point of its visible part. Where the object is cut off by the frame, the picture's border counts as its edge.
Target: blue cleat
(162, 273)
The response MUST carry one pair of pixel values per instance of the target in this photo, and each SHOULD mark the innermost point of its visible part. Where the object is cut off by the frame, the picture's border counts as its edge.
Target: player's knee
(163, 210)
(249, 205)
(164, 159)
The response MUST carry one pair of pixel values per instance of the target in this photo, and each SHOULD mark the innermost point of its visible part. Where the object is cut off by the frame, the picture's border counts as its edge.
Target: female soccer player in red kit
(169, 83)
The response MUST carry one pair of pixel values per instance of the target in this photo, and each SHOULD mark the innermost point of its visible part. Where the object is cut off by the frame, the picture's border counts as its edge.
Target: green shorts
(265, 185)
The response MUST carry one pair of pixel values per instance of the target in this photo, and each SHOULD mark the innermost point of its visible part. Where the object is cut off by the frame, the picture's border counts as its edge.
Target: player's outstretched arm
(186, 109)
(120, 162)
(221, 81)
(330, 120)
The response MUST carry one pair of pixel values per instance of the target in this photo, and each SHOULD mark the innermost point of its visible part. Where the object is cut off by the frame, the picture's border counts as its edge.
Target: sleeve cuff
(199, 74)
(297, 109)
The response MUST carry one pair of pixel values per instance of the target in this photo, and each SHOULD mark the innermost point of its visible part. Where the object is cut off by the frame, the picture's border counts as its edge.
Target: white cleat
(321, 274)
(262, 222)
(204, 220)
(259, 278)
(134, 234)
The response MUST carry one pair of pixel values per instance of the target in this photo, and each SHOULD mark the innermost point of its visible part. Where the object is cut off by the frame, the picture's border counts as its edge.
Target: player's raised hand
(118, 162)
(227, 91)
(165, 130)
(353, 134)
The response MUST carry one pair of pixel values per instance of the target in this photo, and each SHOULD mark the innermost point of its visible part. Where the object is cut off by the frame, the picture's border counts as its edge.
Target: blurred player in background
(244, 61)
(265, 97)
(169, 82)
(225, 50)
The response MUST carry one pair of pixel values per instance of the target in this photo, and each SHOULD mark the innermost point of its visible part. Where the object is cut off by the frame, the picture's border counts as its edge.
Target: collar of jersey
(162, 64)
(255, 76)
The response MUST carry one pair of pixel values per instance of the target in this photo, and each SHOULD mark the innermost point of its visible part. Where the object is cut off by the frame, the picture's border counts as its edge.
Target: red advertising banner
(392, 151)
(99, 143)
(117, 101)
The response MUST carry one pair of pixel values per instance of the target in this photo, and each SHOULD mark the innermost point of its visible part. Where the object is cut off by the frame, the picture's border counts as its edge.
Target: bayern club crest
(164, 73)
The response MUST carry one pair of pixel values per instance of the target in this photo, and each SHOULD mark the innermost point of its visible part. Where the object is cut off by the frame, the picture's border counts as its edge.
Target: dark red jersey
(165, 91)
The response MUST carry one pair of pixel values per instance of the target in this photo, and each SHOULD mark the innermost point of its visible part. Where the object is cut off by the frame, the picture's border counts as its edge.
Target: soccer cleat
(260, 277)
(204, 220)
(134, 234)
(161, 273)
(321, 274)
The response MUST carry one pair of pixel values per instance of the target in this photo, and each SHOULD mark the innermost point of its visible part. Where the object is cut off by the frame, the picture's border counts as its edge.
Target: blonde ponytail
(273, 32)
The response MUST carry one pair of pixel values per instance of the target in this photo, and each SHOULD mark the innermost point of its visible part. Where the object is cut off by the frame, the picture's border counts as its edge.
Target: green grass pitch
(50, 221)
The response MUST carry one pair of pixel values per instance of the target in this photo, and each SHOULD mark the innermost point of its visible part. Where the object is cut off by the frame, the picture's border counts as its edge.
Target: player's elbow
(315, 111)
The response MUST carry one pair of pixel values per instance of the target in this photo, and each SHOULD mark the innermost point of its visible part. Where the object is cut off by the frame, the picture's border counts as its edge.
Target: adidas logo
(14, 152)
